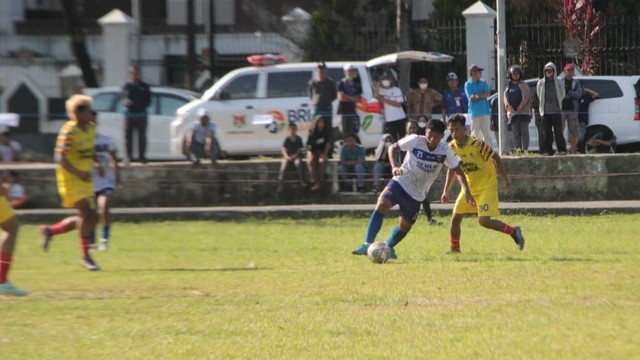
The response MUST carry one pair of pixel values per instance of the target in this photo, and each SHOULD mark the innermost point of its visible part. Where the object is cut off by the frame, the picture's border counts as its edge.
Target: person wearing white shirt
(392, 99)
(200, 142)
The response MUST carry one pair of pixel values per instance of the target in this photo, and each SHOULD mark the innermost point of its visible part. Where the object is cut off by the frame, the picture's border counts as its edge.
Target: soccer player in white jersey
(105, 183)
(411, 182)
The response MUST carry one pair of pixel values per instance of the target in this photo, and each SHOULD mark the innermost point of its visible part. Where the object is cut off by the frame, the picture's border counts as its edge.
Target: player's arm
(393, 159)
(448, 182)
(501, 169)
(459, 174)
(64, 162)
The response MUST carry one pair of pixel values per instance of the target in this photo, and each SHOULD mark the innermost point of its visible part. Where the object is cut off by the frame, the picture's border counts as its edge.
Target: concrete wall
(533, 178)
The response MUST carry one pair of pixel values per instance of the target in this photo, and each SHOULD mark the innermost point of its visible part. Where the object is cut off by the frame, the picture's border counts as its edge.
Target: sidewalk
(315, 211)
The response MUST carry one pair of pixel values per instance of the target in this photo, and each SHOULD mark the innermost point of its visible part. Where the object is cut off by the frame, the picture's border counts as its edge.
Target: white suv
(252, 105)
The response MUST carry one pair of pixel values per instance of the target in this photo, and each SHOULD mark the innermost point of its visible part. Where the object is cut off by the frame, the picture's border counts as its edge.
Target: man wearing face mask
(392, 98)
(423, 100)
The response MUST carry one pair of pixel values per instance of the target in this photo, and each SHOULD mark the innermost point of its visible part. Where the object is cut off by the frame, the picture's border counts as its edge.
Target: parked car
(164, 103)
(252, 105)
(617, 109)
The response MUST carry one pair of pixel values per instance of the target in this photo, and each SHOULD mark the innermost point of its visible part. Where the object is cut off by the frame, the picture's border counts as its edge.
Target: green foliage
(290, 289)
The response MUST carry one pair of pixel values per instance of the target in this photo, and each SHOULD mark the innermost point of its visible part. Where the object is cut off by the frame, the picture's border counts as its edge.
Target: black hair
(292, 125)
(456, 118)
(436, 125)
(351, 135)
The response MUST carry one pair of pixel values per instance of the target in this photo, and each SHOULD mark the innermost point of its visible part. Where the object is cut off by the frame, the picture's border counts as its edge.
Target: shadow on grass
(194, 269)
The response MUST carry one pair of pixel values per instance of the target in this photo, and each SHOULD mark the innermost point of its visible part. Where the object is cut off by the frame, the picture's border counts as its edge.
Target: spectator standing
(392, 99)
(517, 102)
(352, 164)
(455, 99)
(200, 142)
(588, 96)
(319, 147)
(550, 91)
(16, 194)
(349, 94)
(137, 98)
(423, 100)
(477, 91)
(291, 155)
(8, 237)
(382, 167)
(322, 92)
(570, 106)
(10, 150)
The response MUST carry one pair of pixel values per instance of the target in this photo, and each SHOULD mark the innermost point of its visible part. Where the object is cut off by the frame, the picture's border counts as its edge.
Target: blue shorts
(409, 207)
(105, 192)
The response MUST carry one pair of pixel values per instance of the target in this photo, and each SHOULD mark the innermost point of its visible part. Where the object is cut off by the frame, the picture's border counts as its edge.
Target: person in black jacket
(137, 97)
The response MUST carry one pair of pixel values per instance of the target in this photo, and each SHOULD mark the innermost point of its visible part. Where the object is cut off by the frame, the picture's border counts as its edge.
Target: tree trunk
(403, 24)
(76, 38)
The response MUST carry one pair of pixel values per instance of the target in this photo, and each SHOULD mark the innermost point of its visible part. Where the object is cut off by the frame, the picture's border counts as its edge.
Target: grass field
(286, 289)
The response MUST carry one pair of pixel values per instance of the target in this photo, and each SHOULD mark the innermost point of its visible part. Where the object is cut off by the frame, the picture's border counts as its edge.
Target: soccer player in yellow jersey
(479, 163)
(75, 155)
(8, 236)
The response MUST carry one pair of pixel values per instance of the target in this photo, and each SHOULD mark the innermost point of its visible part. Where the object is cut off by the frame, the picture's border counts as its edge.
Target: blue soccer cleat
(361, 250)
(8, 288)
(518, 238)
(392, 254)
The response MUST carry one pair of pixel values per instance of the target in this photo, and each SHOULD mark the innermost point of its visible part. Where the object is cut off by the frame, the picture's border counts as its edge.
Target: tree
(76, 39)
(582, 22)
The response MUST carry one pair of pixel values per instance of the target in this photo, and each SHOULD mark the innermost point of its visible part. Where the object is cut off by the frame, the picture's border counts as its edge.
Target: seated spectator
(200, 142)
(15, 192)
(601, 142)
(10, 150)
(291, 155)
(319, 148)
(352, 164)
(382, 167)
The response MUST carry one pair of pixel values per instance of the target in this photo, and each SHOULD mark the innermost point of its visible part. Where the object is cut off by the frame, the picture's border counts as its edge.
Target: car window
(606, 89)
(169, 104)
(243, 87)
(104, 102)
(336, 74)
(288, 84)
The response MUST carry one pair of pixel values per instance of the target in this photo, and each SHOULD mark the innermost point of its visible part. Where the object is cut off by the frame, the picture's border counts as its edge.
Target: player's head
(456, 125)
(435, 132)
(79, 108)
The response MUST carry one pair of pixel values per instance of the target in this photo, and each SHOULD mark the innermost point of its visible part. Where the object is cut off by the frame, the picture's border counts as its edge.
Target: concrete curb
(316, 211)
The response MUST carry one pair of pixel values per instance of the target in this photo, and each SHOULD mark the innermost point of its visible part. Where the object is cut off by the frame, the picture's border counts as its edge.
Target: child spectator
(291, 155)
(352, 164)
(10, 150)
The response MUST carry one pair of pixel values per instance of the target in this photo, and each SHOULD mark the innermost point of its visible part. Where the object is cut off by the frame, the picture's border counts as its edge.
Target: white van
(252, 105)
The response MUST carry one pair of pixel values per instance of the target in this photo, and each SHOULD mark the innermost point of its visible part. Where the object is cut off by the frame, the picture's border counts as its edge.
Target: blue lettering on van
(298, 115)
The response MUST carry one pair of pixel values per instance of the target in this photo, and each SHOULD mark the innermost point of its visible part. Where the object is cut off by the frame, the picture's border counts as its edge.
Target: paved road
(325, 210)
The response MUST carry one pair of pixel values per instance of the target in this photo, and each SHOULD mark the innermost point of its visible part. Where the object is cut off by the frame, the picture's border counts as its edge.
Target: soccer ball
(378, 252)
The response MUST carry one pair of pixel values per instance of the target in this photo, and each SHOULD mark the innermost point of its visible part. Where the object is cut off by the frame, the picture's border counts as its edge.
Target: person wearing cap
(392, 98)
(349, 94)
(517, 103)
(322, 92)
(455, 100)
(551, 91)
(570, 106)
(200, 142)
(478, 91)
(423, 99)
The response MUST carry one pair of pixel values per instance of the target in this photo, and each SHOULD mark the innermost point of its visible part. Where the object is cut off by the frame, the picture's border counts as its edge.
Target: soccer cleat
(104, 245)
(453, 252)
(46, 237)
(361, 250)
(88, 263)
(8, 288)
(392, 254)
(518, 238)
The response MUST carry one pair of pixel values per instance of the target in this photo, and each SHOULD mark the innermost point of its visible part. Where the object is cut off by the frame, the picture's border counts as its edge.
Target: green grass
(285, 289)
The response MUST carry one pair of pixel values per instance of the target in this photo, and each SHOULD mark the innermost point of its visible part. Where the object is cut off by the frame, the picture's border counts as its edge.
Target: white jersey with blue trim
(104, 147)
(421, 166)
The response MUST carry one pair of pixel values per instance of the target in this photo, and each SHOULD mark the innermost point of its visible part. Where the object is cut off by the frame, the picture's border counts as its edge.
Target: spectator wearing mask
(423, 100)
(551, 91)
(392, 99)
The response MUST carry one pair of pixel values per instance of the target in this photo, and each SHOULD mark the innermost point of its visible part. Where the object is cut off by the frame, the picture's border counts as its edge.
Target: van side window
(242, 87)
(104, 102)
(607, 89)
(169, 104)
(288, 84)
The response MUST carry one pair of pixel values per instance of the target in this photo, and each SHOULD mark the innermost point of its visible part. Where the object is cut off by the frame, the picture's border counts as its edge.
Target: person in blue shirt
(352, 164)
(478, 91)
(455, 100)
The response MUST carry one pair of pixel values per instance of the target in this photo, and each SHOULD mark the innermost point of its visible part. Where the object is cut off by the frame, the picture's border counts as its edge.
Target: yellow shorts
(72, 192)
(486, 203)
(6, 211)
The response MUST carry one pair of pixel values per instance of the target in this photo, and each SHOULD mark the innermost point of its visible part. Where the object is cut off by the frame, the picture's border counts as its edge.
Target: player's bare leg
(514, 231)
(8, 240)
(455, 231)
(88, 219)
